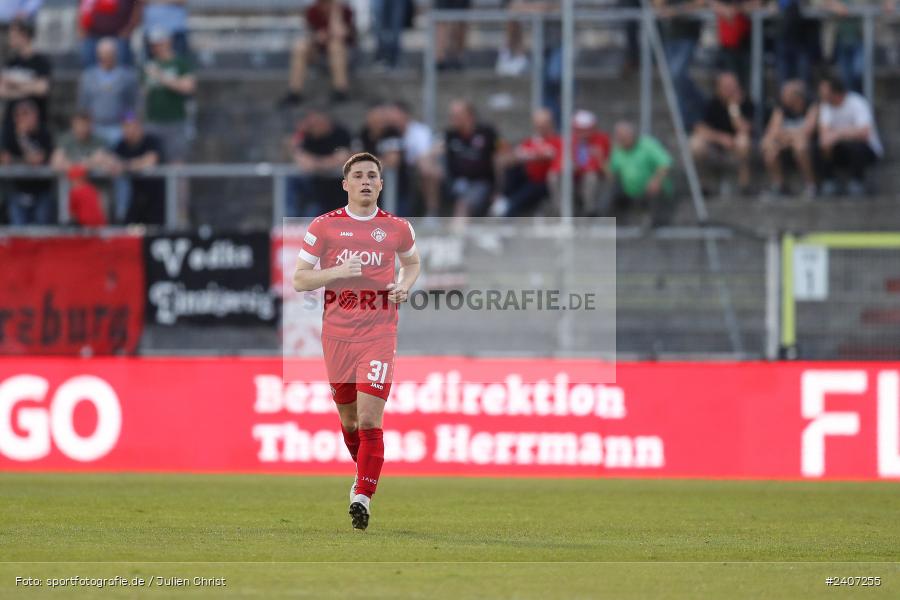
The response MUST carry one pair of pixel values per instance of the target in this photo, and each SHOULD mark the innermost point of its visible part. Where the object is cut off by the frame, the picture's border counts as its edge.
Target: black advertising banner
(221, 279)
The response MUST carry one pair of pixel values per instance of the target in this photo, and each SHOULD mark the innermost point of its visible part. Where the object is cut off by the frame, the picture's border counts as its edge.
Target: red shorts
(366, 367)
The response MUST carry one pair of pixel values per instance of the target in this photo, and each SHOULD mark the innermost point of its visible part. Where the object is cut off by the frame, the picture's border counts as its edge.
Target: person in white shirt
(848, 139)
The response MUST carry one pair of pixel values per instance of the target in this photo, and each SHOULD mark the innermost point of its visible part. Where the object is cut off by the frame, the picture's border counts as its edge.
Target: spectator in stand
(789, 136)
(380, 137)
(169, 83)
(108, 92)
(726, 128)
(171, 17)
(27, 143)
(139, 198)
(451, 37)
(847, 36)
(512, 60)
(390, 17)
(632, 29)
(79, 146)
(797, 46)
(525, 179)
(115, 19)
(321, 147)
(11, 11)
(590, 152)
(470, 150)
(552, 75)
(848, 138)
(331, 33)
(639, 170)
(78, 153)
(26, 75)
(734, 36)
(681, 34)
(420, 155)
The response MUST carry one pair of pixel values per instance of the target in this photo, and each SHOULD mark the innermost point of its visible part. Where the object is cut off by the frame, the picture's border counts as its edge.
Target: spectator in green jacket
(639, 170)
(169, 84)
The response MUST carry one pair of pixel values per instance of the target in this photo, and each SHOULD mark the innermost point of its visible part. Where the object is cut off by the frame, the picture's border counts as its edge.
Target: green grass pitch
(283, 536)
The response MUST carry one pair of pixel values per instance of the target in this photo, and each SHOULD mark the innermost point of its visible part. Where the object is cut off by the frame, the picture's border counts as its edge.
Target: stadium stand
(241, 50)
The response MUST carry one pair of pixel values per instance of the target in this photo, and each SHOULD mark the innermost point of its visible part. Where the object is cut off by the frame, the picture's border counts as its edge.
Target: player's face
(363, 184)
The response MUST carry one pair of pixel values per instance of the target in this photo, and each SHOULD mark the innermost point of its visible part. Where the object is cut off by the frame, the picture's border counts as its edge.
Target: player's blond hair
(361, 157)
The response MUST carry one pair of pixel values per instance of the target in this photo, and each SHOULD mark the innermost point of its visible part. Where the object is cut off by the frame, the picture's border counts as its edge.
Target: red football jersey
(357, 309)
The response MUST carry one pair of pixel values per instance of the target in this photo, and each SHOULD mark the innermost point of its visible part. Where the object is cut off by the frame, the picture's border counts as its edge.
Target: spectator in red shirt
(734, 25)
(116, 19)
(331, 33)
(525, 181)
(590, 152)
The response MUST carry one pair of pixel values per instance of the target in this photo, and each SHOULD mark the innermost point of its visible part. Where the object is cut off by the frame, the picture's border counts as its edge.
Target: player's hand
(352, 267)
(397, 293)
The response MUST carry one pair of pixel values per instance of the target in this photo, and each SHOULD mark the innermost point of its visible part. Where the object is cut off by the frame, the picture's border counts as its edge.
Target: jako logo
(41, 425)
(346, 234)
(367, 258)
(816, 385)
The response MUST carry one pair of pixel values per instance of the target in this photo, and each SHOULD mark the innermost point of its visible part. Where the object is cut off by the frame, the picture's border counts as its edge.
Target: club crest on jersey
(379, 234)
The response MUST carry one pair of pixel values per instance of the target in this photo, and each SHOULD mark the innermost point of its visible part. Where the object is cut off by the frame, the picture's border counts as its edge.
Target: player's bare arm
(406, 278)
(307, 278)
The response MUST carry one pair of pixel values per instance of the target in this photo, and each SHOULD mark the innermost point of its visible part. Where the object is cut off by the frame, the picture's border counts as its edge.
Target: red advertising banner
(71, 295)
(740, 420)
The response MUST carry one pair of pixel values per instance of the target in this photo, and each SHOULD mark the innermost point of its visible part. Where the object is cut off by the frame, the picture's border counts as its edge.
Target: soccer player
(357, 247)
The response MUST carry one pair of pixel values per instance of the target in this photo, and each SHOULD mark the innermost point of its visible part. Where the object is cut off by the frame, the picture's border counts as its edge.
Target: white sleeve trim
(310, 258)
(408, 253)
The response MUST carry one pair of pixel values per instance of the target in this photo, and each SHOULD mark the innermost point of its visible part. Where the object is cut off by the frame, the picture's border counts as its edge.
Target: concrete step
(846, 214)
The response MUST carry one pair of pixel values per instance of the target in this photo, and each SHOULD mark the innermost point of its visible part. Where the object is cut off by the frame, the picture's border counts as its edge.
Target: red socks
(351, 438)
(371, 458)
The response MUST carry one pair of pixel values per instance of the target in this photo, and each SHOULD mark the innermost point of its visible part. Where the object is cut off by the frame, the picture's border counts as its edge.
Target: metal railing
(279, 173)
(538, 21)
(757, 60)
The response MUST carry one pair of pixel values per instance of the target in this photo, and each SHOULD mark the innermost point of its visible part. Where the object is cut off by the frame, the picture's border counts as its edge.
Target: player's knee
(368, 422)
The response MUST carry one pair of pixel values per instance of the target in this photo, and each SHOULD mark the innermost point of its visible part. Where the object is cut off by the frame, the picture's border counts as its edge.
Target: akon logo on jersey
(367, 257)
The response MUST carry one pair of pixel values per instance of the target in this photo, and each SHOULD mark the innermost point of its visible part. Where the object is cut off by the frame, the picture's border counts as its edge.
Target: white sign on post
(810, 273)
